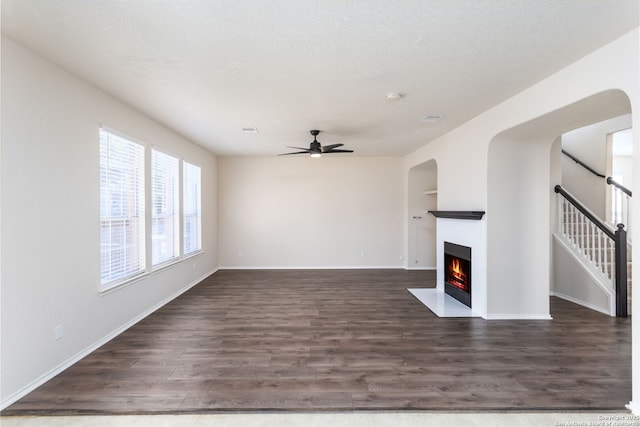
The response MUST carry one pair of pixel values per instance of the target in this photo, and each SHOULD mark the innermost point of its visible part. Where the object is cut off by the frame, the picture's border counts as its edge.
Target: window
(165, 215)
(122, 213)
(191, 208)
(141, 210)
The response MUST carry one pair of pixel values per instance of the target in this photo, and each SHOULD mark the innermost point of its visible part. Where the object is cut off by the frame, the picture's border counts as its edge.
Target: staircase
(586, 233)
(603, 250)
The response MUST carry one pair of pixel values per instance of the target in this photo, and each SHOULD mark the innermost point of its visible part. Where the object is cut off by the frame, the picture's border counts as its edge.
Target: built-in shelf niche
(429, 193)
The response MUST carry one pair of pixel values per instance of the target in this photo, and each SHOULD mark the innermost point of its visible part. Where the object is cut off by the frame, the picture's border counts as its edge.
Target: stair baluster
(593, 237)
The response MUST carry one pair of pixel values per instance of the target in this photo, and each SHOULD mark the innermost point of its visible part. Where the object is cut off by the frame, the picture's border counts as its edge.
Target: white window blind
(191, 208)
(165, 219)
(122, 214)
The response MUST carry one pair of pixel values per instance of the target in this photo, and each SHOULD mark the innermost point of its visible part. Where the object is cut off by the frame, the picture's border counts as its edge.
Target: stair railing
(621, 196)
(584, 165)
(604, 248)
(621, 199)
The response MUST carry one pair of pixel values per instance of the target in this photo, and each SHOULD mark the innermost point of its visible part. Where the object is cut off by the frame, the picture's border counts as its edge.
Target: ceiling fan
(317, 150)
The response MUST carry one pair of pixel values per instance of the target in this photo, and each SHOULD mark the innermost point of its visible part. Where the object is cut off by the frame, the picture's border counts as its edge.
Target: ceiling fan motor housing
(315, 147)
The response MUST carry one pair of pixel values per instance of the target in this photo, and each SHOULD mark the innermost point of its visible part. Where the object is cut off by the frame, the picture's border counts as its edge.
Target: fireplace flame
(455, 266)
(456, 270)
(457, 273)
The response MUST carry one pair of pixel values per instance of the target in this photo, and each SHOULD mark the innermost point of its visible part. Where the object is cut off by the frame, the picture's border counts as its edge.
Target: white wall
(578, 284)
(50, 220)
(622, 156)
(518, 268)
(299, 212)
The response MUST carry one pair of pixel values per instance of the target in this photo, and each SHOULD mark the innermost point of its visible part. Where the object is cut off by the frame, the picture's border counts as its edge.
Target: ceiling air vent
(431, 118)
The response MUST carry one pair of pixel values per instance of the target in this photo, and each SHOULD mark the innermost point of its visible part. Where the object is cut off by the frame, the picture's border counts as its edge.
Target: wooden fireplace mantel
(473, 215)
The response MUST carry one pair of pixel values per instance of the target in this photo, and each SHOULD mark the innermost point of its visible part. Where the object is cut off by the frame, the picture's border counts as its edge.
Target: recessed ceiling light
(393, 96)
(431, 118)
(250, 130)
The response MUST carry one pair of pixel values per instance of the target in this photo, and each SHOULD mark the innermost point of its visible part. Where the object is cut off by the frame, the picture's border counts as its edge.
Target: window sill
(192, 255)
(131, 280)
(112, 287)
(165, 265)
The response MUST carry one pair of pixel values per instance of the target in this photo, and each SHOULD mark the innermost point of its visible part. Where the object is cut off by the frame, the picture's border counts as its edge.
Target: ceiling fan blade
(337, 151)
(327, 148)
(316, 149)
(298, 152)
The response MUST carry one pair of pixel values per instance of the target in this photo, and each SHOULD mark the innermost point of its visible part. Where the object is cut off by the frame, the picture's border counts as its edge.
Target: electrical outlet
(58, 332)
(362, 254)
(239, 253)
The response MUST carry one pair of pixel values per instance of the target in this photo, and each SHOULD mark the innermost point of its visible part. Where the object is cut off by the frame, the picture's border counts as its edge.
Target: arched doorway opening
(524, 164)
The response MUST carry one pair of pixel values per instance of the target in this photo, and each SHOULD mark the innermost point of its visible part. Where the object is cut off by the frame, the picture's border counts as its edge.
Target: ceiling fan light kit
(315, 149)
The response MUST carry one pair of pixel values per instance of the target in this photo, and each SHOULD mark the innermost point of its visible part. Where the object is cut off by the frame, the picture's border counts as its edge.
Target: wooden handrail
(621, 187)
(583, 164)
(609, 179)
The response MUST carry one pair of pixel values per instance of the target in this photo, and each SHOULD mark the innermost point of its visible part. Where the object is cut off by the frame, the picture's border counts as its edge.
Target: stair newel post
(621, 271)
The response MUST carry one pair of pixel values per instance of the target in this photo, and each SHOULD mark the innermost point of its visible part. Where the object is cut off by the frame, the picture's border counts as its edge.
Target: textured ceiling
(208, 68)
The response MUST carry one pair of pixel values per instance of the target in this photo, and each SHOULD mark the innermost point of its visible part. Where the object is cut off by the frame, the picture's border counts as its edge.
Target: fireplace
(457, 272)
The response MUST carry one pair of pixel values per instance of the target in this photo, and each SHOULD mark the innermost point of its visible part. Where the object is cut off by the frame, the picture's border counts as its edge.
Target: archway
(523, 167)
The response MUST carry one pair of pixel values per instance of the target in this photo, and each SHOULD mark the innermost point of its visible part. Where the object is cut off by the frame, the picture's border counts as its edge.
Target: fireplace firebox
(457, 272)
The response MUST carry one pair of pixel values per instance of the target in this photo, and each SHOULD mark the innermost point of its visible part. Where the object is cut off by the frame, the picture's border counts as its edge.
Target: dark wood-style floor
(341, 340)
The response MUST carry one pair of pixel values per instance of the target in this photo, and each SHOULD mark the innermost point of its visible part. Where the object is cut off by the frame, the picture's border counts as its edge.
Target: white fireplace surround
(469, 233)
(463, 232)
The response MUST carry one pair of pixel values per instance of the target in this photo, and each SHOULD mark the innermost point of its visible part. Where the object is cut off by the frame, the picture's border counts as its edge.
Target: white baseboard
(421, 268)
(315, 267)
(74, 359)
(518, 317)
(582, 303)
(597, 277)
